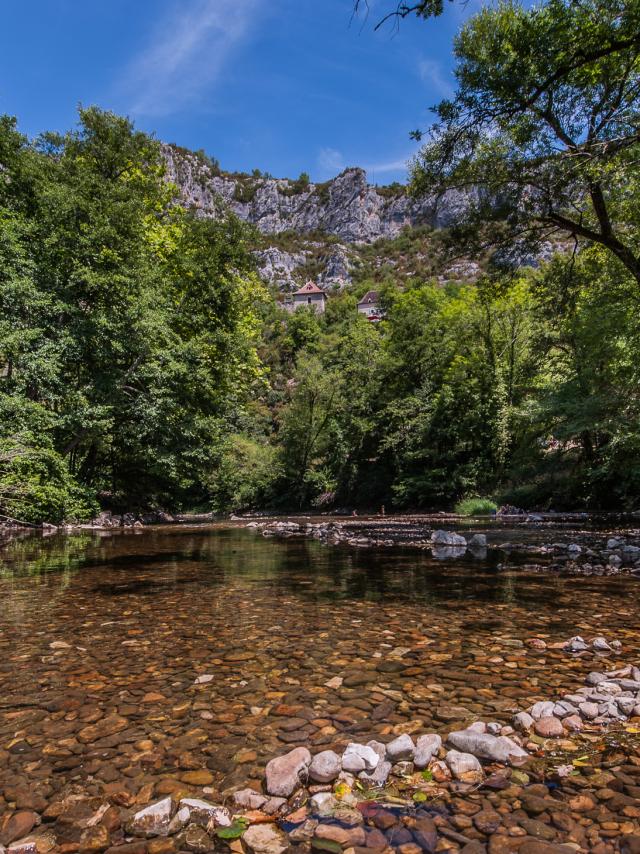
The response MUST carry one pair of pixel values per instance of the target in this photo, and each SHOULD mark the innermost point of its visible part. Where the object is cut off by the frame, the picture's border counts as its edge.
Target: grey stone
(304, 832)
(325, 767)
(562, 709)
(248, 799)
(179, 821)
(576, 644)
(274, 805)
(359, 757)
(379, 776)
(612, 688)
(153, 820)
(400, 748)
(523, 721)
(447, 538)
(462, 763)
(543, 709)
(486, 746)
(286, 773)
(427, 746)
(588, 710)
(626, 705)
(265, 839)
(629, 684)
(378, 747)
(323, 804)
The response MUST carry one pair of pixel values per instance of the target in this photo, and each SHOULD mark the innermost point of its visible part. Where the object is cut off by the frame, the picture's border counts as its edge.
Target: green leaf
(234, 830)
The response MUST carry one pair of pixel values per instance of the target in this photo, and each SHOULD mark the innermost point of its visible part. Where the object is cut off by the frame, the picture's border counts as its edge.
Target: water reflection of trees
(34, 555)
(230, 557)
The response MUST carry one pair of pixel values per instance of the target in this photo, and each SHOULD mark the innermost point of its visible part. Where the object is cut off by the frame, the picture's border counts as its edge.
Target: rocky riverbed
(171, 666)
(484, 788)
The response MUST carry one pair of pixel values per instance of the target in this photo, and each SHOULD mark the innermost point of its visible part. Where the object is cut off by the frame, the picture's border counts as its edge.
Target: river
(104, 636)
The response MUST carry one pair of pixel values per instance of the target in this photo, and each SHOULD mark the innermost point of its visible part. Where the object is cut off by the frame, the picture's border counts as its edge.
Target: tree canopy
(546, 121)
(127, 328)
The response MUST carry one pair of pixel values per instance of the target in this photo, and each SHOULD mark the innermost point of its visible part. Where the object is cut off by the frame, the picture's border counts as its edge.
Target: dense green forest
(143, 365)
(128, 326)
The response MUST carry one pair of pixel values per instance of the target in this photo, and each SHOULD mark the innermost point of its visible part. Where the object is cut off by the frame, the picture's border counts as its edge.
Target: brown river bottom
(103, 636)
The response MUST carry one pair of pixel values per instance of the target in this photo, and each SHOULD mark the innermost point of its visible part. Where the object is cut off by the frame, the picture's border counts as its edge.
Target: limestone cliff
(346, 207)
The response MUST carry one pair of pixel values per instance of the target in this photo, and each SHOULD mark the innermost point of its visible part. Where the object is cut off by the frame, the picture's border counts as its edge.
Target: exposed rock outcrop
(346, 206)
(278, 266)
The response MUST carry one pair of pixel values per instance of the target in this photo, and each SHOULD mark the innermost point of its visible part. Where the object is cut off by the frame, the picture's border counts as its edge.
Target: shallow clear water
(144, 613)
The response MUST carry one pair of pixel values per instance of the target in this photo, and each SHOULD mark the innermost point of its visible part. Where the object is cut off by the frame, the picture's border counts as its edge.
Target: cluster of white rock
(447, 544)
(373, 763)
(606, 698)
(599, 644)
(346, 206)
(443, 544)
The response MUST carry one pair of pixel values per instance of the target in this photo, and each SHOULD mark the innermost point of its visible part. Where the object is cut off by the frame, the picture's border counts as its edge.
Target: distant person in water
(382, 510)
(354, 512)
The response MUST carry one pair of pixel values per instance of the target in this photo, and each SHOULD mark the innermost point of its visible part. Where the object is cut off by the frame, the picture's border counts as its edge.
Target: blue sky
(282, 85)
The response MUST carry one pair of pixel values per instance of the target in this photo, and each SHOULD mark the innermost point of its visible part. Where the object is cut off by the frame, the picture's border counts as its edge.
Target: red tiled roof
(309, 288)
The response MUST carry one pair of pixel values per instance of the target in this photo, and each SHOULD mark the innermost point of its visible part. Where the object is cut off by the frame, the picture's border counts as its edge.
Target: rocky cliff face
(347, 207)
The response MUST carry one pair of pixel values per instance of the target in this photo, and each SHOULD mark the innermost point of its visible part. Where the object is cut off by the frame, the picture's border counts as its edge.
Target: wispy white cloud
(186, 53)
(387, 166)
(435, 78)
(330, 161)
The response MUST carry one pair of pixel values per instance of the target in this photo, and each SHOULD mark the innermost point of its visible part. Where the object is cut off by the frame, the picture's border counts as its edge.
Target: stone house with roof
(309, 295)
(370, 306)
